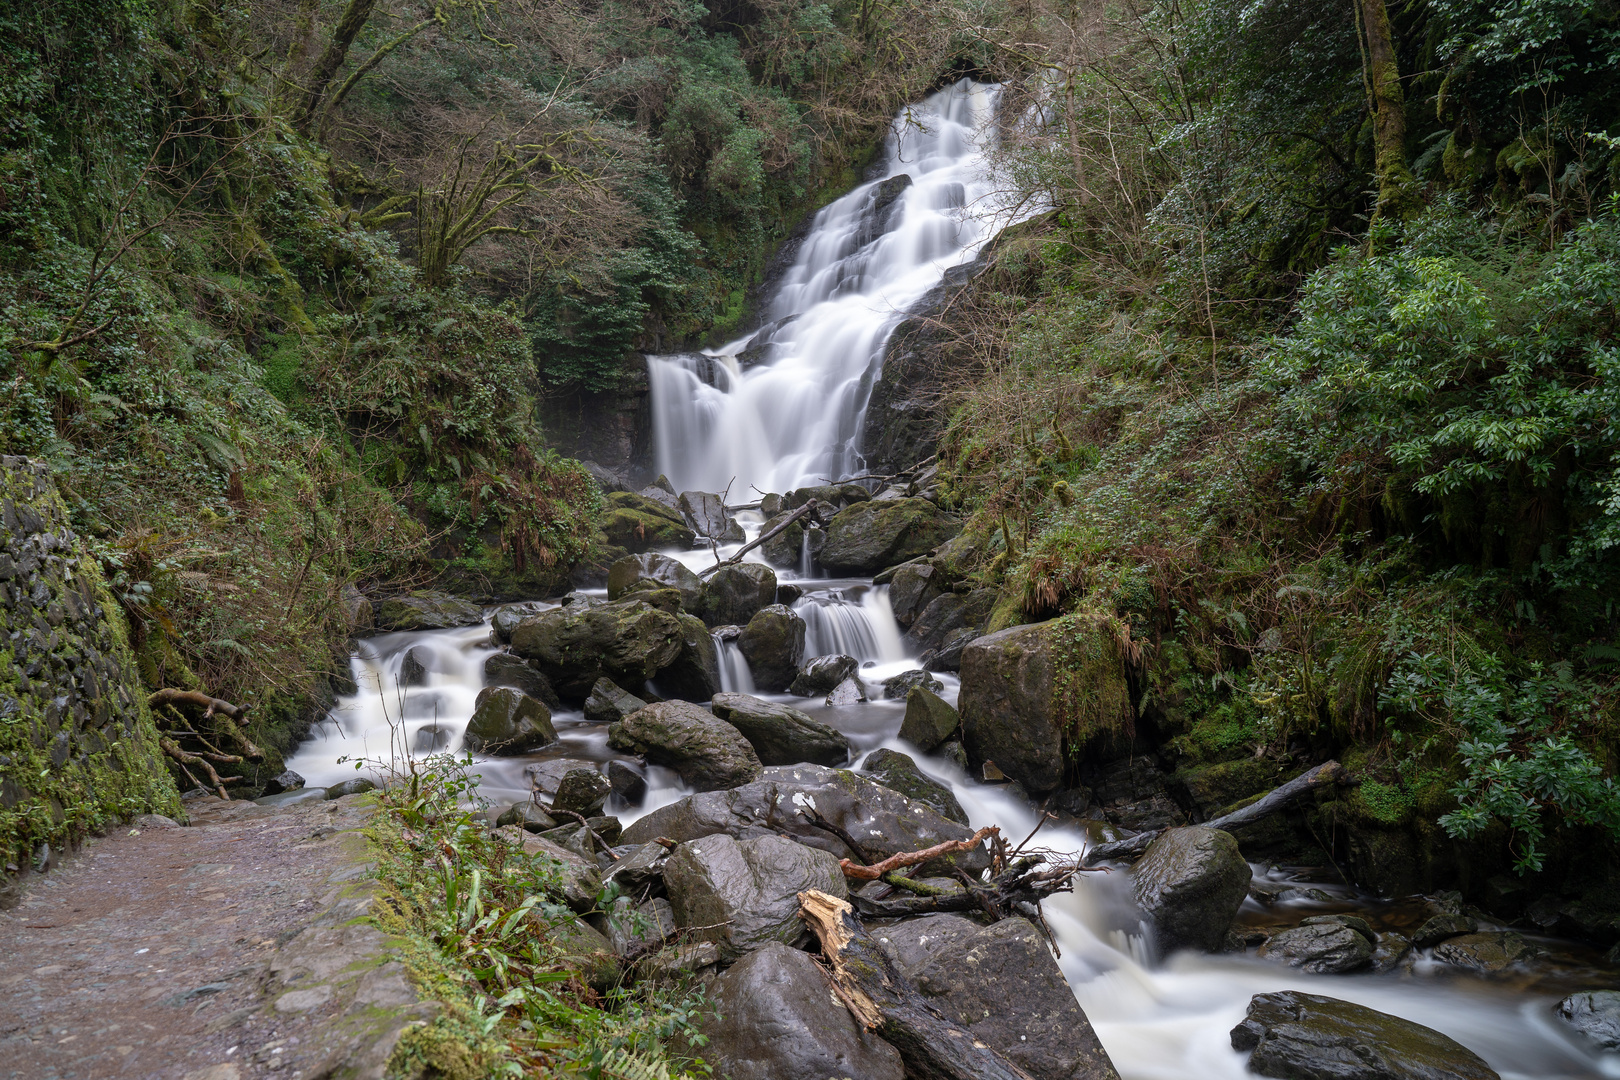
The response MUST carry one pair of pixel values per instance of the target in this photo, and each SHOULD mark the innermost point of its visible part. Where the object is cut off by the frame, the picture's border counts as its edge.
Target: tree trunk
(348, 28)
(1397, 196)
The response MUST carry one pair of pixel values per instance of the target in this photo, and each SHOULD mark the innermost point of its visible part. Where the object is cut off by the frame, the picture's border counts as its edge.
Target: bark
(331, 59)
(884, 1002)
(1330, 772)
(802, 511)
(1396, 185)
(914, 858)
(210, 705)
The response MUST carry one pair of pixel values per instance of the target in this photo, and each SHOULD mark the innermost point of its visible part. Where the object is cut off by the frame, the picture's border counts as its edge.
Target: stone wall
(78, 749)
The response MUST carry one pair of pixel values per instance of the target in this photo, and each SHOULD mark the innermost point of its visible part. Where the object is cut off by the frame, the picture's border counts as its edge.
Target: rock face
(866, 537)
(779, 1020)
(1001, 983)
(744, 895)
(779, 734)
(708, 753)
(659, 571)
(629, 642)
(1595, 1014)
(1308, 1037)
(735, 593)
(882, 821)
(426, 610)
(929, 720)
(897, 772)
(822, 674)
(1191, 881)
(504, 669)
(1322, 946)
(773, 645)
(508, 721)
(608, 703)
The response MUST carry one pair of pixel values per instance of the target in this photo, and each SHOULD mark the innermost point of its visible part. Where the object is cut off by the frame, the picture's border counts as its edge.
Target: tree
(1397, 194)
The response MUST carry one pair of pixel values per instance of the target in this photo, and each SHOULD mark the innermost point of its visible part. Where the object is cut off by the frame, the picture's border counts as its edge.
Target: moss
(1088, 678)
(1383, 804)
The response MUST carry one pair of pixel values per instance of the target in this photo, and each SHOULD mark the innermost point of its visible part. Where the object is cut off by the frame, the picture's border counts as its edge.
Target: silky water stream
(795, 417)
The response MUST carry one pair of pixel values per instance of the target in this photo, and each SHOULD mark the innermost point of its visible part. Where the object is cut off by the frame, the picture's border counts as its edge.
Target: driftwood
(806, 509)
(209, 705)
(882, 1001)
(172, 748)
(1330, 772)
(914, 858)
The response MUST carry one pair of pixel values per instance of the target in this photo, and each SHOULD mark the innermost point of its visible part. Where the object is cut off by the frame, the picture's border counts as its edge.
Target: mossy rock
(637, 524)
(426, 609)
(869, 536)
(629, 641)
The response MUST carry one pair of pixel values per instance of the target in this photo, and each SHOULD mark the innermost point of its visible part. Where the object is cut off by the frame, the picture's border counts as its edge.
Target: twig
(593, 833)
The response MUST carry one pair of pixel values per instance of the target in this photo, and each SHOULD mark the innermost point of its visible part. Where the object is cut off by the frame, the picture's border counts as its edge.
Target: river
(794, 417)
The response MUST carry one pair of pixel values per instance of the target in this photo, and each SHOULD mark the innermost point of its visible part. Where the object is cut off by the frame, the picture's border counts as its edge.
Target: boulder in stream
(849, 692)
(784, 549)
(636, 523)
(1487, 952)
(609, 703)
(504, 669)
(898, 772)
(869, 536)
(629, 642)
(929, 719)
(821, 675)
(581, 791)
(652, 570)
(781, 734)
(426, 609)
(1595, 1014)
(773, 645)
(734, 594)
(1326, 945)
(506, 617)
(1309, 1037)
(896, 687)
(1191, 881)
(694, 675)
(778, 1019)
(743, 895)
(709, 753)
(507, 721)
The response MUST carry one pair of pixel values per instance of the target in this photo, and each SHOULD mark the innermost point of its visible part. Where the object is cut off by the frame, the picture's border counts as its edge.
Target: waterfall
(796, 416)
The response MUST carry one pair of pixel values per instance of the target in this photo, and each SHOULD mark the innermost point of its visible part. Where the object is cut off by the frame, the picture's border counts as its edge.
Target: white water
(796, 418)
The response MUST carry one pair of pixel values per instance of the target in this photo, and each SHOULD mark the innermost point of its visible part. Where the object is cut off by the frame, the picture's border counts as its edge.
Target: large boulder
(609, 703)
(426, 610)
(1027, 691)
(1595, 1014)
(1191, 881)
(504, 669)
(744, 895)
(780, 734)
(582, 792)
(898, 772)
(1326, 945)
(836, 496)
(1308, 1037)
(650, 569)
(577, 881)
(629, 642)
(785, 548)
(775, 1017)
(929, 719)
(821, 675)
(694, 675)
(707, 515)
(773, 645)
(882, 821)
(505, 720)
(912, 588)
(735, 593)
(1001, 983)
(637, 523)
(708, 753)
(868, 536)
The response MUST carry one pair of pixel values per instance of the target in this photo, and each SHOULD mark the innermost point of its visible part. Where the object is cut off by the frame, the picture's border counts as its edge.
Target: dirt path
(226, 950)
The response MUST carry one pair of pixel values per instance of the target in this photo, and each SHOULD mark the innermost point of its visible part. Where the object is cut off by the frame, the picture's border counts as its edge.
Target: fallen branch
(866, 981)
(211, 705)
(172, 748)
(586, 825)
(913, 858)
(813, 816)
(1330, 772)
(736, 557)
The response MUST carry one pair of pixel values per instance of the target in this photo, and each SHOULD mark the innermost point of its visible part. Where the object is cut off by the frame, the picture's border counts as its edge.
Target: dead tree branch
(913, 858)
(210, 705)
(807, 509)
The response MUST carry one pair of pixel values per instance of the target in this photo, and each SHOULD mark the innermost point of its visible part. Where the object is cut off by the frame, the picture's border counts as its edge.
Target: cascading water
(795, 417)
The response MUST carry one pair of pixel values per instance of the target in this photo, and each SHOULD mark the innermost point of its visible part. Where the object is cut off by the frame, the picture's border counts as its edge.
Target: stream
(794, 417)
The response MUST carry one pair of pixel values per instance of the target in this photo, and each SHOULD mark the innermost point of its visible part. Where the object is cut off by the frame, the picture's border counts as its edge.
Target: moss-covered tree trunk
(355, 17)
(1397, 195)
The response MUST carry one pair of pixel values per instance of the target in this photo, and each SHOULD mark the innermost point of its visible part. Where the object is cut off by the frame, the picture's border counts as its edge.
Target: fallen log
(1330, 772)
(913, 858)
(736, 557)
(882, 1001)
(210, 705)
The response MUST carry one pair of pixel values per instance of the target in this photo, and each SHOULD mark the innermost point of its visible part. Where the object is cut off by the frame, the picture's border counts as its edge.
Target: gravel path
(221, 951)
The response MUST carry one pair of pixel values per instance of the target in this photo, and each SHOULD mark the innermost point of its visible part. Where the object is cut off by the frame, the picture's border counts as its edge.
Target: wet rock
(637, 523)
(582, 791)
(587, 951)
(949, 621)
(642, 868)
(898, 772)
(911, 943)
(773, 645)
(1322, 949)
(694, 675)
(912, 588)
(507, 721)
(358, 786)
(357, 611)
(426, 610)
(1191, 881)
(1009, 706)
(587, 840)
(784, 549)
(1390, 952)
(708, 752)
(884, 822)
(743, 895)
(628, 783)
(528, 815)
(1488, 952)
(705, 512)
(674, 964)
(822, 674)
(608, 703)
(735, 593)
(849, 692)
(780, 734)
(1309, 1037)
(953, 751)
(507, 616)
(868, 536)
(546, 776)
(285, 781)
(1441, 927)
(412, 669)
(896, 687)
(836, 496)
(948, 655)
(293, 798)
(637, 928)
(788, 593)
(929, 720)
(504, 669)
(1002, 984)
(779, 1020)
(1595, 1014)
(651, 569)
(629, 642)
